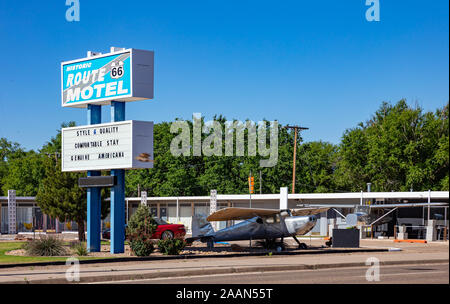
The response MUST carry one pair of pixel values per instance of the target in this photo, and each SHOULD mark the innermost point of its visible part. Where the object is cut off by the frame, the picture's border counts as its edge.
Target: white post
(56, 225)
(323, 224)
(127, 212)
(331, 226)
(431, 231)
(429, 201)
(178, 211)
(12, 213)
(213, 206)
(144, 198)
(284, 198)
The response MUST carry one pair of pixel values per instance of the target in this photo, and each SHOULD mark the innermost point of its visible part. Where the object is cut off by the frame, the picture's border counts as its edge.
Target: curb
(186, 257)
(184, 273)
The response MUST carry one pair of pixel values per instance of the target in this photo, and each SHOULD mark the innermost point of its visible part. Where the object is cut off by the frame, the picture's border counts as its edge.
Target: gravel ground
(198, 248)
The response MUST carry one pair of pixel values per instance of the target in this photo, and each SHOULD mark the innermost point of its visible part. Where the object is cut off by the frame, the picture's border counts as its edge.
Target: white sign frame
(141, 82)
(136, 143)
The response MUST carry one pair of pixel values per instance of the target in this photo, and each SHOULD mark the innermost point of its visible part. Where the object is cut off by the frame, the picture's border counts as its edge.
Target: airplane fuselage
(264, 228)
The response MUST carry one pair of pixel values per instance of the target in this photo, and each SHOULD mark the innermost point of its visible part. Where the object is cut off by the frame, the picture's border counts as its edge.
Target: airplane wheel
(302, 246)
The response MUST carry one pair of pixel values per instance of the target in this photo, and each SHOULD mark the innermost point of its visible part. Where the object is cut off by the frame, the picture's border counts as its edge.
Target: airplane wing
(233, 213)
(308, 211)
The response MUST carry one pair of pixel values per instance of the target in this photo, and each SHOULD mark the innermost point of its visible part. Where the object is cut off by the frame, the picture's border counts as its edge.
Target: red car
(168, 231)
(163, 231)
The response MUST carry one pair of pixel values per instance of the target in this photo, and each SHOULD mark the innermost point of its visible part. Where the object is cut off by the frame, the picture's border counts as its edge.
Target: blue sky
(319, 64)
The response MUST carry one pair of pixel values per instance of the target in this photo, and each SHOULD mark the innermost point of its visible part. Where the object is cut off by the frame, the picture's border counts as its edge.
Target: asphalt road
(404, 274)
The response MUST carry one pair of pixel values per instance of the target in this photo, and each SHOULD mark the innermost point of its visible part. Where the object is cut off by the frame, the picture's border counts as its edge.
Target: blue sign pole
(94, 116)
(118, 192)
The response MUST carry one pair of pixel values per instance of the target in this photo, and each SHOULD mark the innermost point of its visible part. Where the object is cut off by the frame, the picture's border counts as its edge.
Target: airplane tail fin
(200, 228)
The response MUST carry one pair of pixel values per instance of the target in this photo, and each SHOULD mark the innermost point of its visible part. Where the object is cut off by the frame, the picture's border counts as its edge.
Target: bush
(140, 229)
(46, 245)
(141, 246)
(142, 222)
(79, 248)
(171, 246)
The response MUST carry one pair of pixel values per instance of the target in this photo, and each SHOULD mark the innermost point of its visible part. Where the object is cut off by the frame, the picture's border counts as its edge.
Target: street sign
(126, 75)
(118, 145)
(251, 184)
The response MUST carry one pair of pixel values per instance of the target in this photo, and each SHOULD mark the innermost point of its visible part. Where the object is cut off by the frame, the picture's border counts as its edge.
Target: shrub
(141, 246)
(171, 246)
(79, 248)
(46, 245)
(140, 229)
(142, 222)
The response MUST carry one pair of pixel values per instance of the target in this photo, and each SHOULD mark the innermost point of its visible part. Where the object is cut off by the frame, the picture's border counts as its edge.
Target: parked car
(163, 231)
(106, 234)
(168, 231)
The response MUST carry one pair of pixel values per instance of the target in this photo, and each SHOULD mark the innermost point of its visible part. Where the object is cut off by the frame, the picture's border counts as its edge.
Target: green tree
(316, 162)
(8, 152)
(59, 195)
(24, 174)
(399, 149)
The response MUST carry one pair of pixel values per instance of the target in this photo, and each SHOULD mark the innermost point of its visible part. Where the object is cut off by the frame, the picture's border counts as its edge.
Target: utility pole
(251, 189)
(260, 182)
(296, 128)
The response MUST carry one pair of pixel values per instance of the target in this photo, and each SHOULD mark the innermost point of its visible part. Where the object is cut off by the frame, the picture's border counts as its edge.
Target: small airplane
(257, 224)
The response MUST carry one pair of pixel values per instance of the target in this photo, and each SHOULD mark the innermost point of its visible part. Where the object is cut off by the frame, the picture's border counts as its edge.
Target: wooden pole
(260, 182)
(295, 157)
(296, 128)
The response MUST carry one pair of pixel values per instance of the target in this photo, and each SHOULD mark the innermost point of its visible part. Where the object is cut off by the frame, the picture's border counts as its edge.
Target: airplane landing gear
(271, 244)
(300, 245)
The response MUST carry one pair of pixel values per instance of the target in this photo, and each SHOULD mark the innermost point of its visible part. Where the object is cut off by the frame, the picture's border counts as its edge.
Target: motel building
(388, 217)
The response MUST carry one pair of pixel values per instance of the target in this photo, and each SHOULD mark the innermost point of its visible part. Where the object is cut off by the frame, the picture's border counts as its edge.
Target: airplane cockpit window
(284, 213)
(273, 219)
(270, 220)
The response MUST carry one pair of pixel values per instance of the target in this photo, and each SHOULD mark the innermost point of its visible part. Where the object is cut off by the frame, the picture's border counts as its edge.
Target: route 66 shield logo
(117, 70)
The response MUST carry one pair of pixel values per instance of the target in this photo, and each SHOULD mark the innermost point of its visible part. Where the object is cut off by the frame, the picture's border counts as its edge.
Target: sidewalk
(205, 266)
